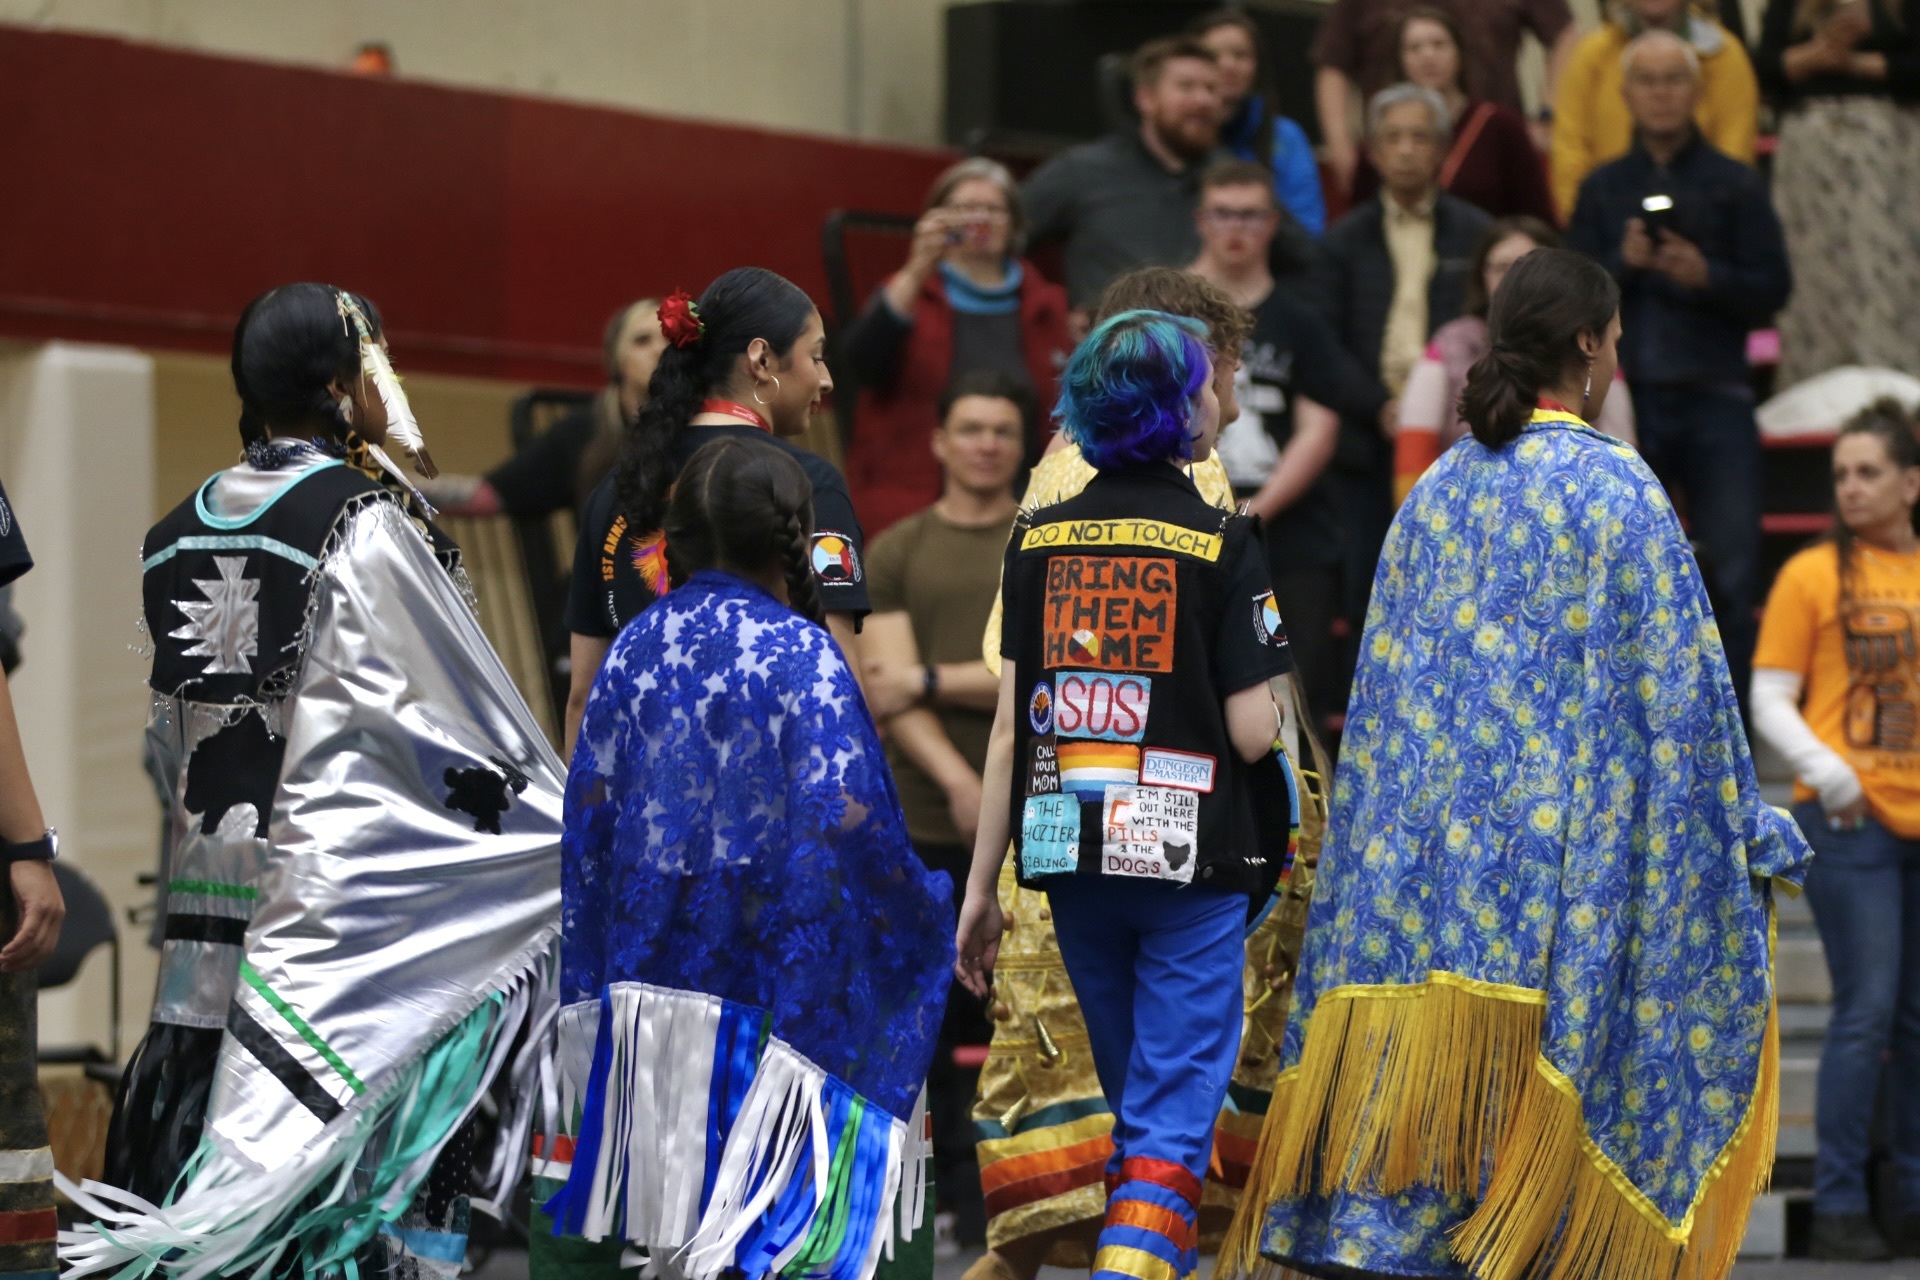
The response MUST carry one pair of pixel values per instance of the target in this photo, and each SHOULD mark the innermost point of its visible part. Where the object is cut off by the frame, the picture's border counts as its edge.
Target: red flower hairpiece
(680, 321)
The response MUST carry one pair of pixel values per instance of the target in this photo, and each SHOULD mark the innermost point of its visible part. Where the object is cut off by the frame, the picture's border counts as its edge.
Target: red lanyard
(738, 412)
(1554, 406)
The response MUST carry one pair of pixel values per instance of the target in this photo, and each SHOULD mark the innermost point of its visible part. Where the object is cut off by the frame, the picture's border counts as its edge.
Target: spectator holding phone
(963, 302)
(1845, 78)
(1591, 125)
(1693, 239)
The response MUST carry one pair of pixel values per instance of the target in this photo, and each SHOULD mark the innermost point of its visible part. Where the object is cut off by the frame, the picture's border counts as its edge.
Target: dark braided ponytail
(745, 506)
(744, 304)
(796, 560)
(1549, 298)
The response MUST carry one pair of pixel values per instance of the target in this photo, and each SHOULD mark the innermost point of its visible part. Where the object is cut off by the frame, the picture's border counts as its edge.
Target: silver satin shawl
(413, 874)
(385, 916)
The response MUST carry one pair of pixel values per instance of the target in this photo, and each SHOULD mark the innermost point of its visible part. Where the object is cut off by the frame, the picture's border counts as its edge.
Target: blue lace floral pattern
(732, 828)
(1545, 784)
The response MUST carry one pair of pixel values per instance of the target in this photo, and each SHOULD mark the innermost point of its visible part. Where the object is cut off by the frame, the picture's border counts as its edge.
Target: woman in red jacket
(964, 300)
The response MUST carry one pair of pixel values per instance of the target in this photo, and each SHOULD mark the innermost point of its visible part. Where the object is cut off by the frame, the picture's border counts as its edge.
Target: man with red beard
(1128, 200)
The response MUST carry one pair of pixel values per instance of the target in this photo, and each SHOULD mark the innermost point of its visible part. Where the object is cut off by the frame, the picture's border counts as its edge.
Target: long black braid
(744, 505)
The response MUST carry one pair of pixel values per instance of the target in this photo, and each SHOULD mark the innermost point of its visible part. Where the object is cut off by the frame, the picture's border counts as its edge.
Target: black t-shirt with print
(14, 556)
(618, 572)
(1133, 611)
(543, 477)
(1292, 353)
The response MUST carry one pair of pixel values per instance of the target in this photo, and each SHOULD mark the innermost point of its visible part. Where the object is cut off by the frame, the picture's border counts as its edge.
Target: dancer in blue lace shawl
(754, 962)
(1534, 1032)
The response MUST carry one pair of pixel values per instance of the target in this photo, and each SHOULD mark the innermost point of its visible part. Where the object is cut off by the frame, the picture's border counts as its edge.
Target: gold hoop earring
(776, 390)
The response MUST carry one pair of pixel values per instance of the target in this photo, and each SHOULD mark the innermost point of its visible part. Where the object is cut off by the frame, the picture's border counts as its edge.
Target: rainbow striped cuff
(1150, 1232)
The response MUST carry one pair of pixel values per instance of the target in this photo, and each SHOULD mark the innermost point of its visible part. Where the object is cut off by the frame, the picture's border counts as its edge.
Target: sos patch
(1102, 706)
(1110, 613)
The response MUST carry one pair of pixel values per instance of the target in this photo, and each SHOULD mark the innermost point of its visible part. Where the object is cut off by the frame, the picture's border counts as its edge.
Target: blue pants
(1704, 446)
(1864, 887)
(1157, 972)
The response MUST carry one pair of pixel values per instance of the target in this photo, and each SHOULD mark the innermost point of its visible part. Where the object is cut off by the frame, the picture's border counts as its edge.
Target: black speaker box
(1024, 77)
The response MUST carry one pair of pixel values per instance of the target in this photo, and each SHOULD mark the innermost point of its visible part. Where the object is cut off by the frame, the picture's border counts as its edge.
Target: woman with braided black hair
(753, 966)
(747, 360)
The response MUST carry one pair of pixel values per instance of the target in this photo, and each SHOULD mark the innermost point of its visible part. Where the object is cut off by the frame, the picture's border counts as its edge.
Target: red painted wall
(146, 194)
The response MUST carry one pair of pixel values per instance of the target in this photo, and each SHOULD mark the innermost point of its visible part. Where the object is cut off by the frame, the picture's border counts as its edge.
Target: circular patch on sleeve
(834, 559)
(1266, 621)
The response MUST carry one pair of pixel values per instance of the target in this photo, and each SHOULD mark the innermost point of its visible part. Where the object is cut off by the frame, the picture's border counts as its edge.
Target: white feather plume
(403, 429)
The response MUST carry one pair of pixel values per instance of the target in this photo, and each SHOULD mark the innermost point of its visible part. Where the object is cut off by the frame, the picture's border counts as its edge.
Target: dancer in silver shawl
(363, 887)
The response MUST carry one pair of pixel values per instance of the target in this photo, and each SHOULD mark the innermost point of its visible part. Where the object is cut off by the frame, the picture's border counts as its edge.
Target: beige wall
(196, 412)
(864, 67)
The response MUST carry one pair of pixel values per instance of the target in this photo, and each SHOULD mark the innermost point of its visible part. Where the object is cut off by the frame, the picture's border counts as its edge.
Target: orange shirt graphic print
(1881, 693)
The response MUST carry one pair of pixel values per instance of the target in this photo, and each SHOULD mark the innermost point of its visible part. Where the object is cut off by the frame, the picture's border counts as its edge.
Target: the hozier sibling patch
(1110, 613)
(1043, 768)
(1050, 836)
(1184, 769)
(1087, 769)
(1040, 709)
(1267, 626)
(1151, 832)
(834, 559)
(1094, 704)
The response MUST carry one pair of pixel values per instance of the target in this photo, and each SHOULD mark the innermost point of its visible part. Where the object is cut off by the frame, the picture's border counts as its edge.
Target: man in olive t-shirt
(931, 580)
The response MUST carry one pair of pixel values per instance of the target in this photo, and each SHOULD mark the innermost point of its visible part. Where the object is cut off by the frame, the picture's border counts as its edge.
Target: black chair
(847, 238)
(88, 927)
(540, 550)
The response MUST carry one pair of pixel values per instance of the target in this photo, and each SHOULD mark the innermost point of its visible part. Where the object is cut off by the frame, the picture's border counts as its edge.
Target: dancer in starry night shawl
(1534, 1031)
(754, 961)
(362, 890)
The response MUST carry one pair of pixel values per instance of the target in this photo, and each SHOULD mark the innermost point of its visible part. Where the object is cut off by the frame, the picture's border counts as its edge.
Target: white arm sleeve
(1776, 716)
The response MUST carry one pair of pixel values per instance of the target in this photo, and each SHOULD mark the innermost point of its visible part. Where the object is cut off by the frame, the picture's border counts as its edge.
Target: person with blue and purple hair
(1138, 647)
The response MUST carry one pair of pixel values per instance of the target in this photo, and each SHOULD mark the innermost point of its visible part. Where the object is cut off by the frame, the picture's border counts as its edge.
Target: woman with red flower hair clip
(746, 358)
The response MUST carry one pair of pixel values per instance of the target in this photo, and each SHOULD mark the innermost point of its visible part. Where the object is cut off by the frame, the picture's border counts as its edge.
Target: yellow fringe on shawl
(1400, 1085)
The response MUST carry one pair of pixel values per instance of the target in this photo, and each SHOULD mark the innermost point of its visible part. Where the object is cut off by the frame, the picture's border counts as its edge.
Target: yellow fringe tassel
(1421, 1084)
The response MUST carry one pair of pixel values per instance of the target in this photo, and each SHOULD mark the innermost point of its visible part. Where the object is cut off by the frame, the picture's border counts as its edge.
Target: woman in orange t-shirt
(1836, 689)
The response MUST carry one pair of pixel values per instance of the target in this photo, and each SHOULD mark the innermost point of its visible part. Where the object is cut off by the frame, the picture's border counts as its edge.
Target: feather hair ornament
(402, 427)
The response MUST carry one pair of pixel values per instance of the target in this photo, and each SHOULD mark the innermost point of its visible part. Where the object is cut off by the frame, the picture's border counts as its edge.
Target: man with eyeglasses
(1692, 236)
(1294, 385)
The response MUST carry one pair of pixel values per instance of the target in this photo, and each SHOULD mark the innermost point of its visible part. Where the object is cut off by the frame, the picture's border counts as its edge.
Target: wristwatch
(45, 849)
(930, 682)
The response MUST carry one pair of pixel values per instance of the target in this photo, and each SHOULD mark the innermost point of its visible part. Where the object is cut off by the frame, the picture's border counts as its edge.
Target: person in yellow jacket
(1591, 126)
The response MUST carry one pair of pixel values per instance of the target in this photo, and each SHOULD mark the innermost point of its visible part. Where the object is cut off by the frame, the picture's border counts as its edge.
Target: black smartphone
(1657, 213)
